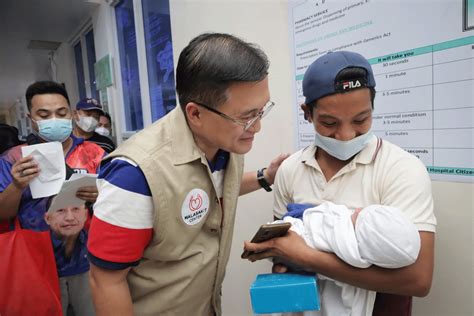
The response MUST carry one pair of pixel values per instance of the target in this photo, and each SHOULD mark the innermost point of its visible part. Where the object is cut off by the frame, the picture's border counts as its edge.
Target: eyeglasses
(246, 124)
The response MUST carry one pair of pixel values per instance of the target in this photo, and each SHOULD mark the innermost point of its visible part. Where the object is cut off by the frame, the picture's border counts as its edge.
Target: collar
(183, 146)
(76, 141)
(369, 153)
(220, 161)
(59, 243)
(365, 156)
(308, 156)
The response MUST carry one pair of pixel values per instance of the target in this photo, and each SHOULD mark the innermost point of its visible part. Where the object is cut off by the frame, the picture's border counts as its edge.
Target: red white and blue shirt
(123, 221)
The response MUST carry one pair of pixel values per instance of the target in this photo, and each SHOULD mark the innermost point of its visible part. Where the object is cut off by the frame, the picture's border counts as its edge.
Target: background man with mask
(50, 115)
(104, 127)
(86, 117)
(349, 165)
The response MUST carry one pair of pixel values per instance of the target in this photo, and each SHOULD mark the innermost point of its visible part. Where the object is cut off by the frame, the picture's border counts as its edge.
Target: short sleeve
(5, 175)
(122, 225)
(282, 195)
(408, 187)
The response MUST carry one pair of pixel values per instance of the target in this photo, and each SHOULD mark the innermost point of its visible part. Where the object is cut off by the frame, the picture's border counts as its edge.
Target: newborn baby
(377, 234)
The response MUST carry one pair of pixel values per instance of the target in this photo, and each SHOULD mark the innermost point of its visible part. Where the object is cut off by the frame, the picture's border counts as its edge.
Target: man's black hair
(107, 115)
(211, 63)
(44, 87)
(9, 137)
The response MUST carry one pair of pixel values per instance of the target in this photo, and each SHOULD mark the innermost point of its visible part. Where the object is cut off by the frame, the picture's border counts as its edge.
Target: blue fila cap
(320, 77)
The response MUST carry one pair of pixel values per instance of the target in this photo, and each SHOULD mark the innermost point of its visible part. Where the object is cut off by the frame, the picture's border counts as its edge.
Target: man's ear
(46, 217)
(193, 114)
(307, 112)
(34, 125)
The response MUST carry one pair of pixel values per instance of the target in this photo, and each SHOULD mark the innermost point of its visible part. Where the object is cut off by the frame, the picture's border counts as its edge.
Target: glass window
(80, 70)
(127, 44)
(159, 55)
(90, 63)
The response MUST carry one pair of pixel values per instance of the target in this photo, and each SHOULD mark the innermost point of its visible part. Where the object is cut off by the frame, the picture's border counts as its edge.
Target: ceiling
(25, 20)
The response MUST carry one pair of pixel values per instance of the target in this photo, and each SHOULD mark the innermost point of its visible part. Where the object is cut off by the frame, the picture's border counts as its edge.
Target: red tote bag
(29, 283)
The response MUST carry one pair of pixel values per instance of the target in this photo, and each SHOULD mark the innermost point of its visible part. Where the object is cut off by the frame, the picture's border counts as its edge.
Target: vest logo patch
(195, 206)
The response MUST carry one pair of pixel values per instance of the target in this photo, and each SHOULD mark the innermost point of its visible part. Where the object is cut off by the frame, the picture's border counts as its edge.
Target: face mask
(87, 123)
(343, 150)
(102, 131)
(54, 130)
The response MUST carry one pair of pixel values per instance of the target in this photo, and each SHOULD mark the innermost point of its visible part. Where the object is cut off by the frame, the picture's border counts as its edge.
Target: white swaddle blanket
(382, 235)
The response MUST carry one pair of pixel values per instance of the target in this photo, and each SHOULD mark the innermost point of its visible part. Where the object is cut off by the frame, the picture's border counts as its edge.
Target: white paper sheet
(67, 194)
(50, 158)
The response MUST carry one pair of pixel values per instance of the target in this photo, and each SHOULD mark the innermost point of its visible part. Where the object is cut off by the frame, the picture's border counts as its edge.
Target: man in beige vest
(162, 228)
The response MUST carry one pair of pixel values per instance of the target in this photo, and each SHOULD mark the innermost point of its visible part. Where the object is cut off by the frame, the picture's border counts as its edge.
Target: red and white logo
(195, 206)
(351, 85)
(195, 203)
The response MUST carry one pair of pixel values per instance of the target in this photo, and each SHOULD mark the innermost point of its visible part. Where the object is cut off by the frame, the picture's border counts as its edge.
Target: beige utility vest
(183, 267)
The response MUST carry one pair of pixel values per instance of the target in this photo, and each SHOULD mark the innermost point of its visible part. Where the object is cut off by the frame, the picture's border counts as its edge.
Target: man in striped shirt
(162, 228)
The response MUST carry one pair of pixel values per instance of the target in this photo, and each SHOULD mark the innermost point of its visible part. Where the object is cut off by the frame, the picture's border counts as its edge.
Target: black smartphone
(266, 232)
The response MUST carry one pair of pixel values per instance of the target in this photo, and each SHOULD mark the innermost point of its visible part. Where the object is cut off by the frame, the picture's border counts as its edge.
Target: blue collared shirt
(78, 262)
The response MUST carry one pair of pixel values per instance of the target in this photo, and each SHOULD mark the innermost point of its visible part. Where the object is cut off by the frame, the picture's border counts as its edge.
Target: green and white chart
(422, 54)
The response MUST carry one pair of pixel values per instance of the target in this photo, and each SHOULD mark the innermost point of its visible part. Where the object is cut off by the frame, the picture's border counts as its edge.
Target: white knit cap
(386, 237)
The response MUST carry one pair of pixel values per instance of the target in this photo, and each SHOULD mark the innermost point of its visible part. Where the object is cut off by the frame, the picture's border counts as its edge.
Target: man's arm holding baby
(413, 280)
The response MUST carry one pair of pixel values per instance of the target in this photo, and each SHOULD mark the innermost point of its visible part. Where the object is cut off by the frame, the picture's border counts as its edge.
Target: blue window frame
(159, 54)
(127, 44)
(80, 70)
(90, 49)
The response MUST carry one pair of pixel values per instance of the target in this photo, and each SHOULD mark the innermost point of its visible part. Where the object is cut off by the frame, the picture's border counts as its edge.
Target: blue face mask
(54, 130)
(343, 150)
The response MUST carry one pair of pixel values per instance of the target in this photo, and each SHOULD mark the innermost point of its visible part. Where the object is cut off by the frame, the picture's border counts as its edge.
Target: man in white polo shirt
(349, 165)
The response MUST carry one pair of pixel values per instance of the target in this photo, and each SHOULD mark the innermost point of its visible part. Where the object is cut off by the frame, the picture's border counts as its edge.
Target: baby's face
(68, 221)
(355, 215)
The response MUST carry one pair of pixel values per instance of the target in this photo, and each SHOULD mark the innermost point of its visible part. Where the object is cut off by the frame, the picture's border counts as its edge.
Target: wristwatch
(261, 180)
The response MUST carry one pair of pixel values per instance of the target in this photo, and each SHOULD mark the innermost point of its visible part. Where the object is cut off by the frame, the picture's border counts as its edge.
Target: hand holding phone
(267, 232)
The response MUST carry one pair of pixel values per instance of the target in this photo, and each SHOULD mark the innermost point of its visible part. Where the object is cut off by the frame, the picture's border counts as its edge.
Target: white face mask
(343, 150)
(102, 131)
(87, 123)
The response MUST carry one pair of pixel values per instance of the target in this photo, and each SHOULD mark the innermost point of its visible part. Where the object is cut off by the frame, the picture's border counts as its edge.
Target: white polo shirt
(382, 173)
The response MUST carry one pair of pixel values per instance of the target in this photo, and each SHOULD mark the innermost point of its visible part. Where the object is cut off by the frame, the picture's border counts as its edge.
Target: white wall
(452, 293)
(66, 71)
(34, 66)
(16, 78)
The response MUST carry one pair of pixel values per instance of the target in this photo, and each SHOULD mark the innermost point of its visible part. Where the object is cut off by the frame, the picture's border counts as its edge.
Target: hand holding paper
(49, 171)
(67, 196)
(50, 159)
(23, 171)
(88, 193)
